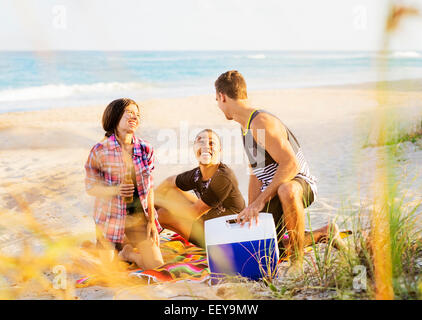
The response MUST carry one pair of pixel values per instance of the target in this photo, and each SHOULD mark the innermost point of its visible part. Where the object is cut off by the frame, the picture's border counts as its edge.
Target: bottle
(128, 180)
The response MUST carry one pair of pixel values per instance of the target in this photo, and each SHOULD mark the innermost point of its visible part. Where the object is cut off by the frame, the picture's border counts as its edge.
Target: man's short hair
(232, 84)
(208, 131)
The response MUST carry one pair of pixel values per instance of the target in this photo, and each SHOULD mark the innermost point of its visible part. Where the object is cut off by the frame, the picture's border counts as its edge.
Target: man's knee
(290, 191)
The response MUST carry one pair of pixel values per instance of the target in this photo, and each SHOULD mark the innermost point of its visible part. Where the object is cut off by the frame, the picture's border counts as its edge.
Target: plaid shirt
(105, 166)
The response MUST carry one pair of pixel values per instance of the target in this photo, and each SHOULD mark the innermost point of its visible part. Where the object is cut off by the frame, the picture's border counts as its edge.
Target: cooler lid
(225, 230)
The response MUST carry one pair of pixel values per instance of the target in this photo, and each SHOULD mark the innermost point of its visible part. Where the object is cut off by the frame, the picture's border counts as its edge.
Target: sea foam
(57, 91)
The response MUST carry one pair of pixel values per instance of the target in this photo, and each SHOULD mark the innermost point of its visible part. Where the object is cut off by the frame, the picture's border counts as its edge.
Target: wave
(406, 54)
(250, 56)
(330, 55)
(256, 56)
(336, 55)
(59, 91)
(149, 59)
(308, 55)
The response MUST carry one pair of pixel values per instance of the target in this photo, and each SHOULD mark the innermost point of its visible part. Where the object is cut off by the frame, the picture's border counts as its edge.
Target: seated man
(214, 184)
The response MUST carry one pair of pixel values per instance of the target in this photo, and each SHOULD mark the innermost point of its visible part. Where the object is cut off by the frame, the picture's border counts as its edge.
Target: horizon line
(211, 50)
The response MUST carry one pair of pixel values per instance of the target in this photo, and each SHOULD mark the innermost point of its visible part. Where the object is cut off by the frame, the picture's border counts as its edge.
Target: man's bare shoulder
(268, 122)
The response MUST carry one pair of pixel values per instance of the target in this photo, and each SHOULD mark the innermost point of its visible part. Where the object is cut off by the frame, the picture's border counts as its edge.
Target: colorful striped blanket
(183, 262)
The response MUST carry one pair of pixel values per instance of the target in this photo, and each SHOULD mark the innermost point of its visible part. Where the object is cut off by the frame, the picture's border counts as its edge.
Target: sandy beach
(42, 153)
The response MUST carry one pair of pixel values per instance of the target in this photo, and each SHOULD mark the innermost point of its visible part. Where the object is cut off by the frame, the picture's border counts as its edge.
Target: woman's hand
(126, 190)
(152, 232)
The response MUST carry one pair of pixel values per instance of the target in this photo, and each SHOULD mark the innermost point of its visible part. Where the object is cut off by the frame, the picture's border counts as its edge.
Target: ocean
(51, 79)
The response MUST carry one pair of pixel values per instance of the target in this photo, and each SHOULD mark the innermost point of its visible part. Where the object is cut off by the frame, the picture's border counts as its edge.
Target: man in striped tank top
(280, 182)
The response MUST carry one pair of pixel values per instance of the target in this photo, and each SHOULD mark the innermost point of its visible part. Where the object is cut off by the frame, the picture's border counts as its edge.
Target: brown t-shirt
(221, 192)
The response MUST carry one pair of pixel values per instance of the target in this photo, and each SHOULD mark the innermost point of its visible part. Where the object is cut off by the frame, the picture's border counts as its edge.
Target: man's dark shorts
(274, 206)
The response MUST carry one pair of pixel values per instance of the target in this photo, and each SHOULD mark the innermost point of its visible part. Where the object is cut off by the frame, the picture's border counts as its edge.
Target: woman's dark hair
(113, 113)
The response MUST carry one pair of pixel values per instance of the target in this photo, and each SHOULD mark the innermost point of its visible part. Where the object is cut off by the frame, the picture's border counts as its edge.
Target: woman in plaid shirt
(120, 153)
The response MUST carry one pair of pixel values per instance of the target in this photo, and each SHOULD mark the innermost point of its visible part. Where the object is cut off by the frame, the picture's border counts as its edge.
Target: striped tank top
(264, 166)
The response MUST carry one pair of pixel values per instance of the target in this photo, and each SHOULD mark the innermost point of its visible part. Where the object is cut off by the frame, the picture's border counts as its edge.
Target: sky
(202, 25)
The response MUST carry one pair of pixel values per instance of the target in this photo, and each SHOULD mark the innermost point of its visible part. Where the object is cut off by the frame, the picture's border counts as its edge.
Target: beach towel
(183, 262)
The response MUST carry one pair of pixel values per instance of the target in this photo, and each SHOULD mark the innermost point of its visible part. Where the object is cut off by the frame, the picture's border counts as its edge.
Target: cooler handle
(232, 223)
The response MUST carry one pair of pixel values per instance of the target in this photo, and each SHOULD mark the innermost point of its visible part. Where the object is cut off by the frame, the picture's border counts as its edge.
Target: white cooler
(236, 250)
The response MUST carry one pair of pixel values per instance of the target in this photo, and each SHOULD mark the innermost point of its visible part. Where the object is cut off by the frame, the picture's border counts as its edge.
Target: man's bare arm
(254, 189)
(277, 145)
(275, 141)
